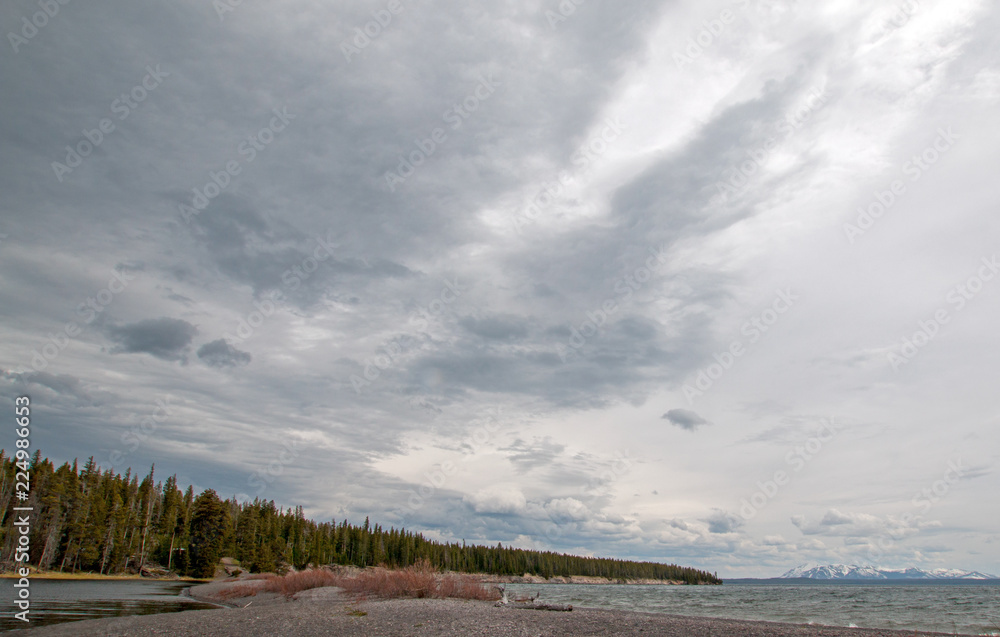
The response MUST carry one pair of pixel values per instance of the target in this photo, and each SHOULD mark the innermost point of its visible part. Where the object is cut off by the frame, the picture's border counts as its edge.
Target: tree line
(86, 520)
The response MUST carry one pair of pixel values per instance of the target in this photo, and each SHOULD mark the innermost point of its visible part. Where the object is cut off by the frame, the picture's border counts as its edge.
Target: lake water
(971, 608)
(55, 601)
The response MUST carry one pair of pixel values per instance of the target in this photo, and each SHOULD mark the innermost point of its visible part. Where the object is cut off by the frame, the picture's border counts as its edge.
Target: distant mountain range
(843, 571)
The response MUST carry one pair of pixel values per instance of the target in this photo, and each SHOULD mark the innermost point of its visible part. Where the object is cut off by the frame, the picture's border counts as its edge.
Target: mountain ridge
(852, 571)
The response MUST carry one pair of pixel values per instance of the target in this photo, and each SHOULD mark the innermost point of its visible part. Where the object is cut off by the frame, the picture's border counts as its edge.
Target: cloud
(722, 522)
(834, 518)
(219, 353)
(497, 500)
(59, 383)
(66, 388)
(498, 327)
(567, 509)
(273, 254)
(165, 338)
(862, 526)
(557, 318)
(685, 419)
(540, 453)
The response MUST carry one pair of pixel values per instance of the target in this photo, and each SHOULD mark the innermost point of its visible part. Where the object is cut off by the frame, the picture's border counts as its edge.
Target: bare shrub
(420, 580)
(238, 590)
(301, 581)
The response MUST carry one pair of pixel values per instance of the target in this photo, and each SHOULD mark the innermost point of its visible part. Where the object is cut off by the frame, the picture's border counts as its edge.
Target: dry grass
(420, 580)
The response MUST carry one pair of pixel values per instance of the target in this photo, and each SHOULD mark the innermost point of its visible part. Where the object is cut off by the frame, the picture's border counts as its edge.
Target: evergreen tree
(208, 524)
(86, 520)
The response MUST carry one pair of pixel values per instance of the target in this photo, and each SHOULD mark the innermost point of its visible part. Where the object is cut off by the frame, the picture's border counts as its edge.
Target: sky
(708, 283)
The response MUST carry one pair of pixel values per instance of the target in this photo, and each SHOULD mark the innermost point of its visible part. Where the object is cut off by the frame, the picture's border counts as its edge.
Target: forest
(89, 521)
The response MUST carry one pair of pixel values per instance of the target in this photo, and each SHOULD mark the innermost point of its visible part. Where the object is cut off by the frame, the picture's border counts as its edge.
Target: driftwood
(528, 603)
(540, 606)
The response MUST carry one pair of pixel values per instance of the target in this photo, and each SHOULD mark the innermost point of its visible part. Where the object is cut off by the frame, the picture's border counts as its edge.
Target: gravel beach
(326, 611)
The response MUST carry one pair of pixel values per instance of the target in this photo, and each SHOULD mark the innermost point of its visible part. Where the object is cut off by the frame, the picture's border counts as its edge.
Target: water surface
(969, 607)
(55, 601)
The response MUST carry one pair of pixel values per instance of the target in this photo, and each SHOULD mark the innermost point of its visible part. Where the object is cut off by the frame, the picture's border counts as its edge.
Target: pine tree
(208, 522)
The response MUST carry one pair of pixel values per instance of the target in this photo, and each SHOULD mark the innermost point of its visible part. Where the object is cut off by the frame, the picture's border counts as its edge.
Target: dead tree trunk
(145, 532)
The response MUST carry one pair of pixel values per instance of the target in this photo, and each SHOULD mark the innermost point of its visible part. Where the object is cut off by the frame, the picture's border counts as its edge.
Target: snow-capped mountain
(843, 571)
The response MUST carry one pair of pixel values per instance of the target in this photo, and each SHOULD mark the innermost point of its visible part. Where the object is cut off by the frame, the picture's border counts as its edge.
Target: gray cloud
(496, 327)
(219, 353)
(165, 338)
(722, 522)
(526, 456)
(685, 419)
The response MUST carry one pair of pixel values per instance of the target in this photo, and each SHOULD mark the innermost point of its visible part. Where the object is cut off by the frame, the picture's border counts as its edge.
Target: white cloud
(500, 499)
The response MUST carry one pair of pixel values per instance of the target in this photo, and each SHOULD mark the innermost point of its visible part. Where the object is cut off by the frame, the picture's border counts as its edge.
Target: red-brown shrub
(301, 581)
(419, 580)
(239, 590)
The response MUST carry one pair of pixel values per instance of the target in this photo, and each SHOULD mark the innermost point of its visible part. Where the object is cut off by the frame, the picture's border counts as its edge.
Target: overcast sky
(712, 283)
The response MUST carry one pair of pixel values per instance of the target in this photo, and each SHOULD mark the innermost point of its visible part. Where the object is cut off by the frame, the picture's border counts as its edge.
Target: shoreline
(56, 575)
(484, 578)
(487, 578)
(327, 611)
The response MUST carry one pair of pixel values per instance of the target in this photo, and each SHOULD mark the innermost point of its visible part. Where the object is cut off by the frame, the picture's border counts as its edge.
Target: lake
(967, 607)
(54, 601)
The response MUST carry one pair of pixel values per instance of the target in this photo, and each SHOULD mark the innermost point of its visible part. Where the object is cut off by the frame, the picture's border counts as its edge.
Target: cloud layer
(462, 270)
